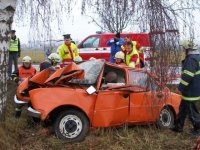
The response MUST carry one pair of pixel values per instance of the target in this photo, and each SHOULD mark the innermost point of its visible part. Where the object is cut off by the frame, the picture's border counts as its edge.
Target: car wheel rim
(165, 118)
(70, 126)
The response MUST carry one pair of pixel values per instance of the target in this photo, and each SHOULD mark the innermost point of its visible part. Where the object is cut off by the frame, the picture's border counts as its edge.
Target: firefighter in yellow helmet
(189, 88)
(68, 50)
(52, 61)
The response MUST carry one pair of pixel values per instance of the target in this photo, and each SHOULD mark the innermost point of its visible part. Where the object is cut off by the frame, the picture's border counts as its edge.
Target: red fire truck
(95, 45)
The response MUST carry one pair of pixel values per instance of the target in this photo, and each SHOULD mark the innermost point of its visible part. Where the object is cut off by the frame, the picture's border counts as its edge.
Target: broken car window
(92, 70)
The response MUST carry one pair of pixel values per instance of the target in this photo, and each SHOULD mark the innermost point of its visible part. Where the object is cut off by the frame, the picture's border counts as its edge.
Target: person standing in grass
(14, 52)
(189, 88)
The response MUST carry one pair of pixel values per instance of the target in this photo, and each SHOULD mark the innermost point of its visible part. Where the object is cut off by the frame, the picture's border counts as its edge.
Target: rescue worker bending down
(52, 61)
(67, 51)
(189, 88)
(137, 46)
(131, 56)
(24, 71)
(119, 58)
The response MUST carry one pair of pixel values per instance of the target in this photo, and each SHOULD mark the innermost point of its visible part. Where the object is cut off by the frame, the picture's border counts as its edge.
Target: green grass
(37, 56)
(21, 134)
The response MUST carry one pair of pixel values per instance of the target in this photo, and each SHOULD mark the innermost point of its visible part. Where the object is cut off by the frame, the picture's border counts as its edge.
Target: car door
(145, 103)
(91, 48)
(111, 108)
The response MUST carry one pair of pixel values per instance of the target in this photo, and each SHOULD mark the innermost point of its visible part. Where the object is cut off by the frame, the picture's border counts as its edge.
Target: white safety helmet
(189, 44)
(119, 55)
(78, 59)
(26, 59)
(54, 57)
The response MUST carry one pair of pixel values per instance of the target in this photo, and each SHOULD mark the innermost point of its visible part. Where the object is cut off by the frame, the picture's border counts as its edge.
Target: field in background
(24, 135)
(37, 56)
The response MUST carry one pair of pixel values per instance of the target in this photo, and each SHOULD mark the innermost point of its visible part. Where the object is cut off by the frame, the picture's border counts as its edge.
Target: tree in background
(110, 15)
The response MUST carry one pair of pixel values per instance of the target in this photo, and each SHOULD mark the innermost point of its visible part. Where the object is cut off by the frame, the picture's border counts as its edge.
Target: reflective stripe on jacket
(190, 78)
(68, 52)
(14, 45)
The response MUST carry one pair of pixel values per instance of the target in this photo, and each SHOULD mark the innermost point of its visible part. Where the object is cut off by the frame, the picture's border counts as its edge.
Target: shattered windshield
(92, 69)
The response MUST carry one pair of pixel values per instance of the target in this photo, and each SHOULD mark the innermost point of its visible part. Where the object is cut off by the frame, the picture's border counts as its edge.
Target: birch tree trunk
(7, 9)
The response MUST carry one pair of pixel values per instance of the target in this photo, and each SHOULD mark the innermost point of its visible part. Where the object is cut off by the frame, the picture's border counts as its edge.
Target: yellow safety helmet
(189, 44)
(119, 55)
(78, 59)
(54, 57)
(26, 59)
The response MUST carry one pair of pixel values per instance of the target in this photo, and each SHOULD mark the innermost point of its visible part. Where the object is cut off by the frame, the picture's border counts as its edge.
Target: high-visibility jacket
(14, 45)
(133, 56)
(132, 59)
(67, 53)
(190, 78)
(25, 73)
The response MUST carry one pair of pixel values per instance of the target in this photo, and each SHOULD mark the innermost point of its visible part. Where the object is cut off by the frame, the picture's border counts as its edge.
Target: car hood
(50, 78)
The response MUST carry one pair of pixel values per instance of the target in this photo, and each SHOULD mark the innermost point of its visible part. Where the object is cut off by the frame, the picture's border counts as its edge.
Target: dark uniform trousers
(13, 57)
(189, 108)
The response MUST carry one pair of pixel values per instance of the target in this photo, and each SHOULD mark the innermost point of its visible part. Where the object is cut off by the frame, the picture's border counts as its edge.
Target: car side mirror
(91, 90)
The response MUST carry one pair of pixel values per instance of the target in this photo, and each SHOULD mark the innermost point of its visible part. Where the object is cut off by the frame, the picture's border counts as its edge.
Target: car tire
(71, 126)
(166, 118)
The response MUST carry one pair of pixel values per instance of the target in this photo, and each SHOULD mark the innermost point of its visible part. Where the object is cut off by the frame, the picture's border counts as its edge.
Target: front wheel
(71, 126)
(166, 118)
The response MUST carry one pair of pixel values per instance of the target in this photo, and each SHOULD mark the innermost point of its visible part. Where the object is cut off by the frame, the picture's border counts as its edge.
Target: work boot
(195, 132)
(17, 114)
(176, 129)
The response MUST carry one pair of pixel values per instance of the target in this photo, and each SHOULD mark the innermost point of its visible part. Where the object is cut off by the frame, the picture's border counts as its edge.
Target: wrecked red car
(77, 97)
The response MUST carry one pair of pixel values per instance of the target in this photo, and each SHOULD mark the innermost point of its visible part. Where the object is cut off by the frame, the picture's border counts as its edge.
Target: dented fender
(45, 100)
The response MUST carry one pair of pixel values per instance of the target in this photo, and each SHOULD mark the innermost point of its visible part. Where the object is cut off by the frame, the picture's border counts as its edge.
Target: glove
(117, 43)
(112, 40)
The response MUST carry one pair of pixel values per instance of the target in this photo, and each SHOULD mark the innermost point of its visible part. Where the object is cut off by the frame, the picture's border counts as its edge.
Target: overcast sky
(78, 26)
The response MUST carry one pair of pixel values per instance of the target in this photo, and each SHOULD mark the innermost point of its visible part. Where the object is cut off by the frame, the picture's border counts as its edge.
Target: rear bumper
(32, 112)
(19, 102)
